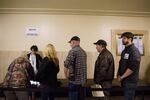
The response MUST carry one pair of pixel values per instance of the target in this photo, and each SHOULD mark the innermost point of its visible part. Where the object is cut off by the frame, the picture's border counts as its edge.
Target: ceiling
(84, 7)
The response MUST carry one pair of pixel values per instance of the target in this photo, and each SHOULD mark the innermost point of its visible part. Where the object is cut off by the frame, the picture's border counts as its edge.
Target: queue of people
(32, 67)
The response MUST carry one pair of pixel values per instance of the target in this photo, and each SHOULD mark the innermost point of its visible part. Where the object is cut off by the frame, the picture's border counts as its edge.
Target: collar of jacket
(105, 49)
(129, 46)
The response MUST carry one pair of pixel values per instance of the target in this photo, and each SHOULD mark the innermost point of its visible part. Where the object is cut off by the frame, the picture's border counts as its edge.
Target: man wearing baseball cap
(104, 67)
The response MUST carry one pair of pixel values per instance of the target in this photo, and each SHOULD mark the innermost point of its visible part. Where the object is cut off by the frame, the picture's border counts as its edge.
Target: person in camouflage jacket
(19, 74)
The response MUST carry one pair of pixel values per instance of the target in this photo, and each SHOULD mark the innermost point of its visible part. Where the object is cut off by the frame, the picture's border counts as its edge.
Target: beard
(125, 42)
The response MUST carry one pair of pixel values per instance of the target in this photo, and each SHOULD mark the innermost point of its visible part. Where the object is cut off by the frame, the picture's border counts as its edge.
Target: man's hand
(127, 73)
(66, 72)
(119, 78)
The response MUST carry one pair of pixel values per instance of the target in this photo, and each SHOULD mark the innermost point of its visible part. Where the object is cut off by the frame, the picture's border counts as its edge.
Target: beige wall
(58, 29)
(6, 57)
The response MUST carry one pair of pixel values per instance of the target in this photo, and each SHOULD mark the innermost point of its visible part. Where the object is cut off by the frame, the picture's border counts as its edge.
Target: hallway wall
(58, 29)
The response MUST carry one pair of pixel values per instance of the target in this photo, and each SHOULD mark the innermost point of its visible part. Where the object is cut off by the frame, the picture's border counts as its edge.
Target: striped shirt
(76, 62)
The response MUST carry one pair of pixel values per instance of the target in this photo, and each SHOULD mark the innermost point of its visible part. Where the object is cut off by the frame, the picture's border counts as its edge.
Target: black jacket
(104, 67)
(38, 60)
(47, 73)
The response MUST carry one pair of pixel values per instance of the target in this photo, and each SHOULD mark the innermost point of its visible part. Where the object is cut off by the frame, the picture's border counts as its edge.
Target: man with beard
(129, 64)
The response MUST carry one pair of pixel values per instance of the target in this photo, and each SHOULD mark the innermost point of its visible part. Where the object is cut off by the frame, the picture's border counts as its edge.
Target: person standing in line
(75, 69)
(129, 64)
(104, 67)
(34, 58)
(19, 74)
(47, 73)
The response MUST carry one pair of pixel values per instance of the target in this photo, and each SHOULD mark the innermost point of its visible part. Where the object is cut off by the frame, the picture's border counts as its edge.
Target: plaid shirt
(76, 63)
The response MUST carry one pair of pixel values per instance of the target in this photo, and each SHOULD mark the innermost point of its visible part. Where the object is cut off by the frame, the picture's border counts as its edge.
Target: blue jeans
(76, 92)
(129, 90)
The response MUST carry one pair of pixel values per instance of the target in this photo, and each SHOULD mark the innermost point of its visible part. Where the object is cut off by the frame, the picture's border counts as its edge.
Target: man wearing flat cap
(75, 67)
(104, 67)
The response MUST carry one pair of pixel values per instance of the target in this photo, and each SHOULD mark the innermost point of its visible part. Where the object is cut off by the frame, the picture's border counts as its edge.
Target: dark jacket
(38, 60)
(47, 73)
(130, 58)
(104, 67)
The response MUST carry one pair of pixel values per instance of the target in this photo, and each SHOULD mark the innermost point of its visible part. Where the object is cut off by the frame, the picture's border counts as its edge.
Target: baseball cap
(101, 42)
(76, 38)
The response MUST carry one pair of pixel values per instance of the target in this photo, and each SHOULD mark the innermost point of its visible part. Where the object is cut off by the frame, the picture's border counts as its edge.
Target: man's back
(80, 65)
(19, 73)
(75, 69)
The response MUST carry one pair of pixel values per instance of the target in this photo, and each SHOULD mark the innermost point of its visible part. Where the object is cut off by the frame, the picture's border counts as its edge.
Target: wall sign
(32, 31)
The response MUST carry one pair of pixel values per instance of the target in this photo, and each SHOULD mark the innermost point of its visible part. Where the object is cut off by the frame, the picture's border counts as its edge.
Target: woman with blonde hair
(47, 73)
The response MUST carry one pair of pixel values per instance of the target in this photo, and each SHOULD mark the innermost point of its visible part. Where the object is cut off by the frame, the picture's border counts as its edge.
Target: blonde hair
(24, 55)
(50, 52)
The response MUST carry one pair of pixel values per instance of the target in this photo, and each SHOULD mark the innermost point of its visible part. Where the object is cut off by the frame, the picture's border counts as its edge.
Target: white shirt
(32, 59)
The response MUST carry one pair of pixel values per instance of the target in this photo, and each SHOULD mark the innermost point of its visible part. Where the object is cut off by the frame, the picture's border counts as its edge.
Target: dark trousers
(16, 95)
(106, 84)
(129, 90)
(76, 92)
(46, 94)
